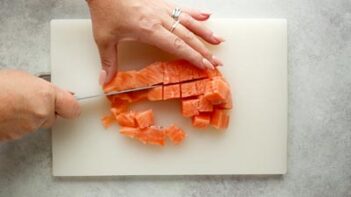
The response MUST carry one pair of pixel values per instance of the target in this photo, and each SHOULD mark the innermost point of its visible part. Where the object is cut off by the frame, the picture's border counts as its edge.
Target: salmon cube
(228, 104)
(189, 89)
(204, 105)
(190, 107)
(155, 94)
(108, 120)
(145, 119)
(185, 73)
(199, 73)
(119, 105)
(151, 75)
(171, 73)
(126, 119)
(217, 91)
(131, 132)
(201, 121)
(171, 91)
(201, 86)
(220, 119)
(175, 134)
(152, 135)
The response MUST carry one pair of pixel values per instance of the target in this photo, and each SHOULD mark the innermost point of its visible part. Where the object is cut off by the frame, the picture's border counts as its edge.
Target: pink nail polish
(102, 77)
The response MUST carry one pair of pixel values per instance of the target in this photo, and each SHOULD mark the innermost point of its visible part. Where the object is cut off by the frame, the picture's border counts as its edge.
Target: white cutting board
(255, 64)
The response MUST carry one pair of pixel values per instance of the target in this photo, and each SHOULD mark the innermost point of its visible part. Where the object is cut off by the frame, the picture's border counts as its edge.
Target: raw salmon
(144, 119)
(217, 91)
(126, 119)
(108, 120)
(190, 107)
(175, 134)
(220, 119)
(189, 89)
(204, 105)
(201, 121)
(155, 94)
(204, 94)
(171, 91)
(151, 75)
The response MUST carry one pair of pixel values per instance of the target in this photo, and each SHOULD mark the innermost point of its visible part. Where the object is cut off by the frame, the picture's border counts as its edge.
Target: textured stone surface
(319, 149)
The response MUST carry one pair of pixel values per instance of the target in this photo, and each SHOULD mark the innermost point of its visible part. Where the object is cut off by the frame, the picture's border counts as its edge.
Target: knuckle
(46, 94)
(189, 36)
(187, 20)
(206, 53)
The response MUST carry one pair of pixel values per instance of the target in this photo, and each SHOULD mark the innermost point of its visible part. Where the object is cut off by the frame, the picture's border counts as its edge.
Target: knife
(47, 77)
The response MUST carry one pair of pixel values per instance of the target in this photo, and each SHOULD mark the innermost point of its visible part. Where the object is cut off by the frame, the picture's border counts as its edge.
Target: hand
(149, 21)
(28, 103)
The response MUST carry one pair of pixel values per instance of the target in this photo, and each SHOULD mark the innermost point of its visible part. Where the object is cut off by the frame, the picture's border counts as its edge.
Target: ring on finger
(174, 26)
(176, 13)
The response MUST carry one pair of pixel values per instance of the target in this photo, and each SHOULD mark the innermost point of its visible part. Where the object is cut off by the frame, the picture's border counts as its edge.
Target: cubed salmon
(145, 119)
(189, 89)
(119, 105)
(204, 105)
(228, 104)
(152, 135)
(131, 132)
(201, 121)
(126, 119)
(199, 73)
(175, 134)
(190, 107)
(171, 91)
(108, 120)
(155, 94)
(217, 91)
(220, 119)
(201, 86)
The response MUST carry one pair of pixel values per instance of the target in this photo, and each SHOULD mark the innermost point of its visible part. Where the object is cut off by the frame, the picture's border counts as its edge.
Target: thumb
(108, 56)
(66, 105)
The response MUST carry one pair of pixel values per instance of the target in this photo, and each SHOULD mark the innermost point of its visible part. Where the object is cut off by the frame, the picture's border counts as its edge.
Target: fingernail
(217, 61)
(205, 14)
(102, 77)
(207, 64)
(218, 38)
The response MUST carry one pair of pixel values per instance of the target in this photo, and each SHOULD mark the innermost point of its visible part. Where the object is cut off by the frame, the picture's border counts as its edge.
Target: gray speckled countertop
(319, 144)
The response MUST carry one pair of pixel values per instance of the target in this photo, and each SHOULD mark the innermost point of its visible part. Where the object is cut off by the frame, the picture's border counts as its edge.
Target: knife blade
(116, 92)
(47, 77)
